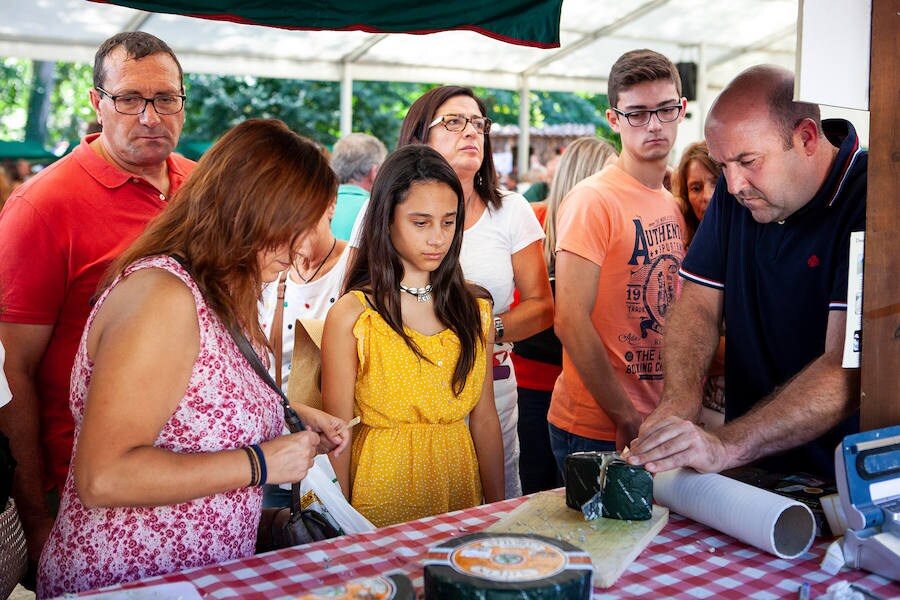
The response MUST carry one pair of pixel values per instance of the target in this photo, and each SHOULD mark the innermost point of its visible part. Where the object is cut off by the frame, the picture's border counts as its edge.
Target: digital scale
(867, 471)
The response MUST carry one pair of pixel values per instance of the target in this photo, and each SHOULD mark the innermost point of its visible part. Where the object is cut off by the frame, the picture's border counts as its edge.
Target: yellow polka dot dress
(412, 454)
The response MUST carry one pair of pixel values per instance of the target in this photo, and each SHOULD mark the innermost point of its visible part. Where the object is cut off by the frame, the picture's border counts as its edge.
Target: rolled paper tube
(772, 523)
(627, 492)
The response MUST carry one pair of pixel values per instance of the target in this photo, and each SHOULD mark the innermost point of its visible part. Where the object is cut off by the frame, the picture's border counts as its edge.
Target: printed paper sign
(853, 335)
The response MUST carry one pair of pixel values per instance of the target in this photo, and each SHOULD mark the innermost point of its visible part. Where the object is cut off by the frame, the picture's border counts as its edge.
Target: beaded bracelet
(261, 458)
(254, 471)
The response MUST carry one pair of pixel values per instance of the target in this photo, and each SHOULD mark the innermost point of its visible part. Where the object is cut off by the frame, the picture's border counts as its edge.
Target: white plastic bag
(321, 491)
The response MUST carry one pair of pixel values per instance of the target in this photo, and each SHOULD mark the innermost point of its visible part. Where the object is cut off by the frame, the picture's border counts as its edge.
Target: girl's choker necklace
(422, 294)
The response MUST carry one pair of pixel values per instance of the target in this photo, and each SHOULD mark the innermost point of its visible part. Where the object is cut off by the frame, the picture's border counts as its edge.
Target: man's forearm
(815, 400)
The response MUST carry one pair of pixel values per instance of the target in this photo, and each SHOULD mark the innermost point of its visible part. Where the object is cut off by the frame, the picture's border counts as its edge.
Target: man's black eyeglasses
(639, 118)
(134, 104)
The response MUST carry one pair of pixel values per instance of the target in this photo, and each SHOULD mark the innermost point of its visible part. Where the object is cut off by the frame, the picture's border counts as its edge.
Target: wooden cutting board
(612, 544)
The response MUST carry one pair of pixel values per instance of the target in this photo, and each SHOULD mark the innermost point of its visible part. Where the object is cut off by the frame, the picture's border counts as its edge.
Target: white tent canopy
(721, 37)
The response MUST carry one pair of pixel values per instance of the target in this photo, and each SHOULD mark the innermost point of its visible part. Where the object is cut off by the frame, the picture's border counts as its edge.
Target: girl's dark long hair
(257, 188)
(414, 130)
(377, 270)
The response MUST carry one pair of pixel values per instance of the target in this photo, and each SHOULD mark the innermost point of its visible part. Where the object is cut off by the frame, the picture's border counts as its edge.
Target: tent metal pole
(524, 126)
(702, 89)
(346, 99)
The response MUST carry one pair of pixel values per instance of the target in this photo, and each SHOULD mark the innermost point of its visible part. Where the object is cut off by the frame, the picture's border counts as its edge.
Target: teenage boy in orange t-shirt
(619, 247)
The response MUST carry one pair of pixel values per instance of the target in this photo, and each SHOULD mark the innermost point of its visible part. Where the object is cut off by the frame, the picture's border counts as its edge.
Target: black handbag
(286, 527)
(281, 527)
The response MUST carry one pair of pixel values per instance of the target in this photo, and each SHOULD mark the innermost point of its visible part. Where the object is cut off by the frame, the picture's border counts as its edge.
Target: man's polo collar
(111, 176)
(841, 134)
(96, 166)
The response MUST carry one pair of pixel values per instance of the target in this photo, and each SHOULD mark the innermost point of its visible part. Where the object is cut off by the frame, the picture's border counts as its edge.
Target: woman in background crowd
(538, 358)
(693, 185)
(174, 432)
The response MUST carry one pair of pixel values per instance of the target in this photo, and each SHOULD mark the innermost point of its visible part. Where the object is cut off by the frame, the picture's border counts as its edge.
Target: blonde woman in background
(582, 158)
(538, 359)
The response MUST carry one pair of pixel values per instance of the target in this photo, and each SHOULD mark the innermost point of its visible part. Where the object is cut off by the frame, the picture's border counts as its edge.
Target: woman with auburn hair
(693, 185)
(174, 432)
(501, 248)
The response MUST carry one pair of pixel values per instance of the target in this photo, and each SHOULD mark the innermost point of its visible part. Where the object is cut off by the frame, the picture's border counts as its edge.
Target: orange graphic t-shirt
(636, 236)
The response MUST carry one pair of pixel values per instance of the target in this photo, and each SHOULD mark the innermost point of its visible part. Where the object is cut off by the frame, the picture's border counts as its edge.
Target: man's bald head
(765, 92)
(772, 150)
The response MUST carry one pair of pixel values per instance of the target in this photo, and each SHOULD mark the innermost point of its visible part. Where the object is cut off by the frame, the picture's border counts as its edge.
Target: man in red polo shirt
(58, 234)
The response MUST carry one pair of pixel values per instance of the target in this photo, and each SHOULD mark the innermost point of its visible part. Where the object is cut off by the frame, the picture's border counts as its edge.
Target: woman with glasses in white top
(502, 244)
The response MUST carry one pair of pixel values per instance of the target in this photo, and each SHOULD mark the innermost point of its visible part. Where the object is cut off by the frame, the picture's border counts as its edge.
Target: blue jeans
(275, 497)
(564, 443)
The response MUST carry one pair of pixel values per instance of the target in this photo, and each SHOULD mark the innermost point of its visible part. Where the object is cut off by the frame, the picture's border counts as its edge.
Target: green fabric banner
(523, 22)
(30, 150)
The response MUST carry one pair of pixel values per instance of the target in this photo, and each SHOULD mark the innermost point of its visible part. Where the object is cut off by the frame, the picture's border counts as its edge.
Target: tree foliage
(15, 88)
(312, 108)
(71, 109)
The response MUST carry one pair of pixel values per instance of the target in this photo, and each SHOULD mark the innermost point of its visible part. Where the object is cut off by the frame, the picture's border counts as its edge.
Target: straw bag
(13, 551)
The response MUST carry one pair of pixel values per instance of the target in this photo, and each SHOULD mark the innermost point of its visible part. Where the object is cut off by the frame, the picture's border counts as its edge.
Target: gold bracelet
(254, 469)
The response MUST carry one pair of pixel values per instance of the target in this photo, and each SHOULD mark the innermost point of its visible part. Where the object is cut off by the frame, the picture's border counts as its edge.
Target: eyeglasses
(639, 118)
(134, 104)
(457, 123)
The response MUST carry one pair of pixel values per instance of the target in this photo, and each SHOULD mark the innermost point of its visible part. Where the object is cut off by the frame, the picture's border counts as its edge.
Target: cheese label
(507, 559)
(370, 588)
(507, 565)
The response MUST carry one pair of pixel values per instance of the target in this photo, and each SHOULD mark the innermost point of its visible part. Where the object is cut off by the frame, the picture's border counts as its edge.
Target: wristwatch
(498, 329)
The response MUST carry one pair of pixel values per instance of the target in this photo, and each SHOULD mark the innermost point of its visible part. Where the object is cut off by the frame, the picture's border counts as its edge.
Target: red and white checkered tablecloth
(686, 560)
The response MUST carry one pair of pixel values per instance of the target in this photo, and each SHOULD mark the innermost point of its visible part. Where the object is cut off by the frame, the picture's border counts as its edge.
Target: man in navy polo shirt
(770, 259)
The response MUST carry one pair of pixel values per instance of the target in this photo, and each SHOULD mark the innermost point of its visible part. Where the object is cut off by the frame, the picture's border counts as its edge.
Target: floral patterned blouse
(226, 406)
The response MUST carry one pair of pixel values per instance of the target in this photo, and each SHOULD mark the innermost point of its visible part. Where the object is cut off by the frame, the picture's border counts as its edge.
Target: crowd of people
(478, 338)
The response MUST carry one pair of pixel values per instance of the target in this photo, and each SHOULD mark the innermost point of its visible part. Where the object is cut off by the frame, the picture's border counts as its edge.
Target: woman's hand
(333, 433)
(289, 457)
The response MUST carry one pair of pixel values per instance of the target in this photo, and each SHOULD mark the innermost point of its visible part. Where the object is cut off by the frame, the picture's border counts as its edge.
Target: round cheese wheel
(496, 566)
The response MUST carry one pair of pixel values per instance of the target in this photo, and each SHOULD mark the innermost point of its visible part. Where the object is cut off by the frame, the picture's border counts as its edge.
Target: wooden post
(880, 362)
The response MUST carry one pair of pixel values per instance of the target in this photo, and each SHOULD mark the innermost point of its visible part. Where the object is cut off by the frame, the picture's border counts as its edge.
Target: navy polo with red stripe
(780, 281)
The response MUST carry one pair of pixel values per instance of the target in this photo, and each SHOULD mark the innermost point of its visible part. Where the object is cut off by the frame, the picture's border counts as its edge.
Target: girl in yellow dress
(404, 350)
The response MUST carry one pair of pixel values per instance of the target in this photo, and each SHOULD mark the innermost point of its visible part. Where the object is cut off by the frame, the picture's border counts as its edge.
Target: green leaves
(312, 108)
